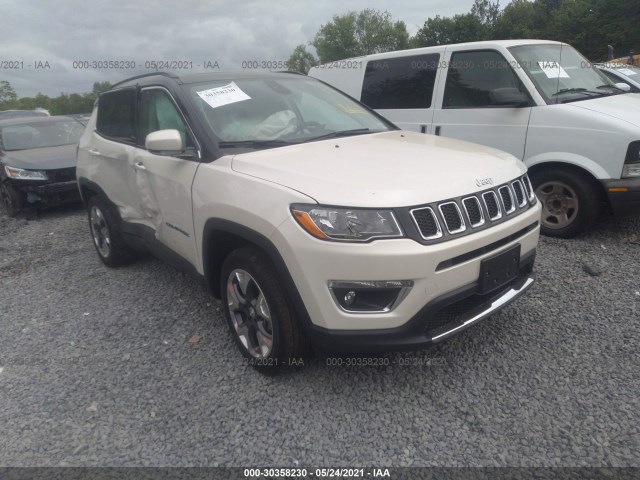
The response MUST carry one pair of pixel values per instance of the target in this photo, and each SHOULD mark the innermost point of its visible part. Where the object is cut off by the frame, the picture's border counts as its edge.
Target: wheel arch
(221, 237)
(569, 167)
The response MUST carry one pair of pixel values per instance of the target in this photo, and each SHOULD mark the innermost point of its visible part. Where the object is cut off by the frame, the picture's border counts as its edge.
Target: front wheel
(10, 199)
(259, 313)
(571, 201)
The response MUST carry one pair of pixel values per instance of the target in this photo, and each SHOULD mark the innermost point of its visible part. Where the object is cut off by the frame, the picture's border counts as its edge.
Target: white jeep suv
(315, 220)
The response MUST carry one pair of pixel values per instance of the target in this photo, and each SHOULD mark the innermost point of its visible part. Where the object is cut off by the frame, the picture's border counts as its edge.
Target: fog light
(369, 296)
(350, 298)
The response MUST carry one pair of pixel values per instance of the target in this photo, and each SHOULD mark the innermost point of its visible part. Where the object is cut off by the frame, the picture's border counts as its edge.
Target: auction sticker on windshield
(626, 71)
(553, 70)
(219, 96)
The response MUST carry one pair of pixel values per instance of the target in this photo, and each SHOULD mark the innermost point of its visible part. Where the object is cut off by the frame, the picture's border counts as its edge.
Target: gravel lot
(135, 366)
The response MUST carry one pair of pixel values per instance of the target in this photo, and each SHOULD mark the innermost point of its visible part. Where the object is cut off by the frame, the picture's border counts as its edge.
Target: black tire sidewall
(10, 200)
(119, 253)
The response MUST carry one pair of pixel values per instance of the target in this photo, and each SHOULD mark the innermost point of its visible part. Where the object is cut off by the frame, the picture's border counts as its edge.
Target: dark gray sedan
(38, 162)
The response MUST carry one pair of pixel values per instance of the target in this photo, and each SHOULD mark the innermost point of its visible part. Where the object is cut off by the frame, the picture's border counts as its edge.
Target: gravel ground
(135, 366)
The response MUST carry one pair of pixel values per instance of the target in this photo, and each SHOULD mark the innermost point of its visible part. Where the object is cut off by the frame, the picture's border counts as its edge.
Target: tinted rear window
(400, 83)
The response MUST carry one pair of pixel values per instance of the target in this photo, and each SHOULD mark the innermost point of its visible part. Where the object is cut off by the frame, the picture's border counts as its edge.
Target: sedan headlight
(346, 224)
(22, 174)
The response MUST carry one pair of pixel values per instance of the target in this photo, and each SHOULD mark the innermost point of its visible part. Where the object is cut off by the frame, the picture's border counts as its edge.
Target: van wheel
(260, 316)
(571, 201)
(107, 235)
(10, 199)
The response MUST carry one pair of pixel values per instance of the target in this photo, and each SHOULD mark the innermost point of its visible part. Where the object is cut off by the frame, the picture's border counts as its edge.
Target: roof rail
(164, 74)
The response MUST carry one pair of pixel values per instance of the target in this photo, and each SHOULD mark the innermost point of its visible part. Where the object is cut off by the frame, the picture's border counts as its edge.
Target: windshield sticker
(350, 109)
(626, 71)
(553, 70)
(219, 96)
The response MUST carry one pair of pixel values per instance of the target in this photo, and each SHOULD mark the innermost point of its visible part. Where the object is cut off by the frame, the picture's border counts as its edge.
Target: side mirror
(508, 97)
(623, 86)
(165, 142)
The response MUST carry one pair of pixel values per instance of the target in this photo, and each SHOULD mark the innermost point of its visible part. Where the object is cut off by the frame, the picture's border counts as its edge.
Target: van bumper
(624, 195)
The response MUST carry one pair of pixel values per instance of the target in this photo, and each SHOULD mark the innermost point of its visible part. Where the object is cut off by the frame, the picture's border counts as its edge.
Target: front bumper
(48, 194)
(624, 195)
(441, 318)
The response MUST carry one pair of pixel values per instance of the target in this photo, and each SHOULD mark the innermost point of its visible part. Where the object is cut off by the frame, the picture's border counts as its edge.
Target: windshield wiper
(339, 133)
(577, 90)
(254, 143)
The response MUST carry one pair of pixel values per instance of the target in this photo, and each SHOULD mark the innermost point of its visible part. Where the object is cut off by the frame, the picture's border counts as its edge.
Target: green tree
(301, 60)
(360, 33)
(7, 93)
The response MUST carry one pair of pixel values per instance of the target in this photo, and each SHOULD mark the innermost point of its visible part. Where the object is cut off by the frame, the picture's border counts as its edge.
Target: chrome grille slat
(493, 205)
(452, 217)
(427, 223)
(507, 199)
(474, 211)
(521, 200)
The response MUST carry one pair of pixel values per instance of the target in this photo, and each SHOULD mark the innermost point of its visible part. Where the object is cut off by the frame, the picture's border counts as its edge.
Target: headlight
(632, 161)
(346, 224)
(21, 174)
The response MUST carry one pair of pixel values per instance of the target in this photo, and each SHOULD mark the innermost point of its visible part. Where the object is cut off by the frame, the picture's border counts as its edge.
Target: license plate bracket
(498, 270)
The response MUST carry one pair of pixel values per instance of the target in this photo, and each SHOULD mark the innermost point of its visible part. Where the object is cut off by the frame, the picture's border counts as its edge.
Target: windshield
(561, 74)
(263, 112)
(41, 134)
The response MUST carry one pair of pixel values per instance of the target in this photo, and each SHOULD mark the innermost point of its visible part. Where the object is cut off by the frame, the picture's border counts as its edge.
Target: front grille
(507, 199)
(452, 217)
(491, 202)
(518, 190)
(464, 215)
(427, 223)
(62, 175)
(474, 211)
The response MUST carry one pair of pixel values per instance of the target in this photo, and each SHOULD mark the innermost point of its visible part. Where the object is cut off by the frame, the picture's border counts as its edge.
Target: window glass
(116, 114)
(52, 133)
(160, 113)
(472, 76)
(400, 83)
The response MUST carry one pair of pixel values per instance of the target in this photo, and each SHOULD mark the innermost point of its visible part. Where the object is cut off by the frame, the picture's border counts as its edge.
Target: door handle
(140, 166)
(94, 152)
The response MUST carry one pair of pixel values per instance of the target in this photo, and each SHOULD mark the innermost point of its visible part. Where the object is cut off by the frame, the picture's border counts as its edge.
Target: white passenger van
(576, 130)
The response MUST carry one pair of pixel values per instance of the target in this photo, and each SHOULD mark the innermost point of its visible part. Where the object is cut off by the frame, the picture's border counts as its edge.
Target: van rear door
(482, 100)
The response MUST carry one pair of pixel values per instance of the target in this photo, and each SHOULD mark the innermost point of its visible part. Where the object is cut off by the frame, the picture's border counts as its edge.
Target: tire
(571, 201)
(261, 318)
(104, 225)
(11, 200)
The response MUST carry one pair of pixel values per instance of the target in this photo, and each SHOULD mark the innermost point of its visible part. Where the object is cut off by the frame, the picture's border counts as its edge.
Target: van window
(400, 83)
(116, 114)
(160, 113)
(472, 76)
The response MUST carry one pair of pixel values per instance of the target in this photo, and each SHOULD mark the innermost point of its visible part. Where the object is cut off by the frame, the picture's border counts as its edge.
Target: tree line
(588, 25)
(64, 104)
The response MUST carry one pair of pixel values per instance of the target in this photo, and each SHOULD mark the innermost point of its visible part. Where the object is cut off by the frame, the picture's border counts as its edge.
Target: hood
(624, 107)
(390, 169)
(48, 158)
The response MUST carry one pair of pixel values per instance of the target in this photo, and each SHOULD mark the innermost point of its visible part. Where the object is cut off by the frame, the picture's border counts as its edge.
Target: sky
(55, 46)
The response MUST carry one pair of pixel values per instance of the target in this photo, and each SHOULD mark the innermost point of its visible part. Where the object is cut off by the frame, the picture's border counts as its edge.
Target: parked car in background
(309, 215)
(38, 162)
(539, 100)
(38, 112)
(621, 73)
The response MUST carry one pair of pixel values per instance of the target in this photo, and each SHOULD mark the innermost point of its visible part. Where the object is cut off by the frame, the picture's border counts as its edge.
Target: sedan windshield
(561, 74)
(24, 136)
(268, 112)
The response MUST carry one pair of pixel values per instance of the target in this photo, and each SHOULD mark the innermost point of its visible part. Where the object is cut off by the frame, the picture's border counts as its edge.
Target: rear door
(464, 107)
(401, 89)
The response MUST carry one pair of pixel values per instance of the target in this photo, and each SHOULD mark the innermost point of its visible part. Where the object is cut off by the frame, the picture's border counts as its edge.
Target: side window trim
(140, 143)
